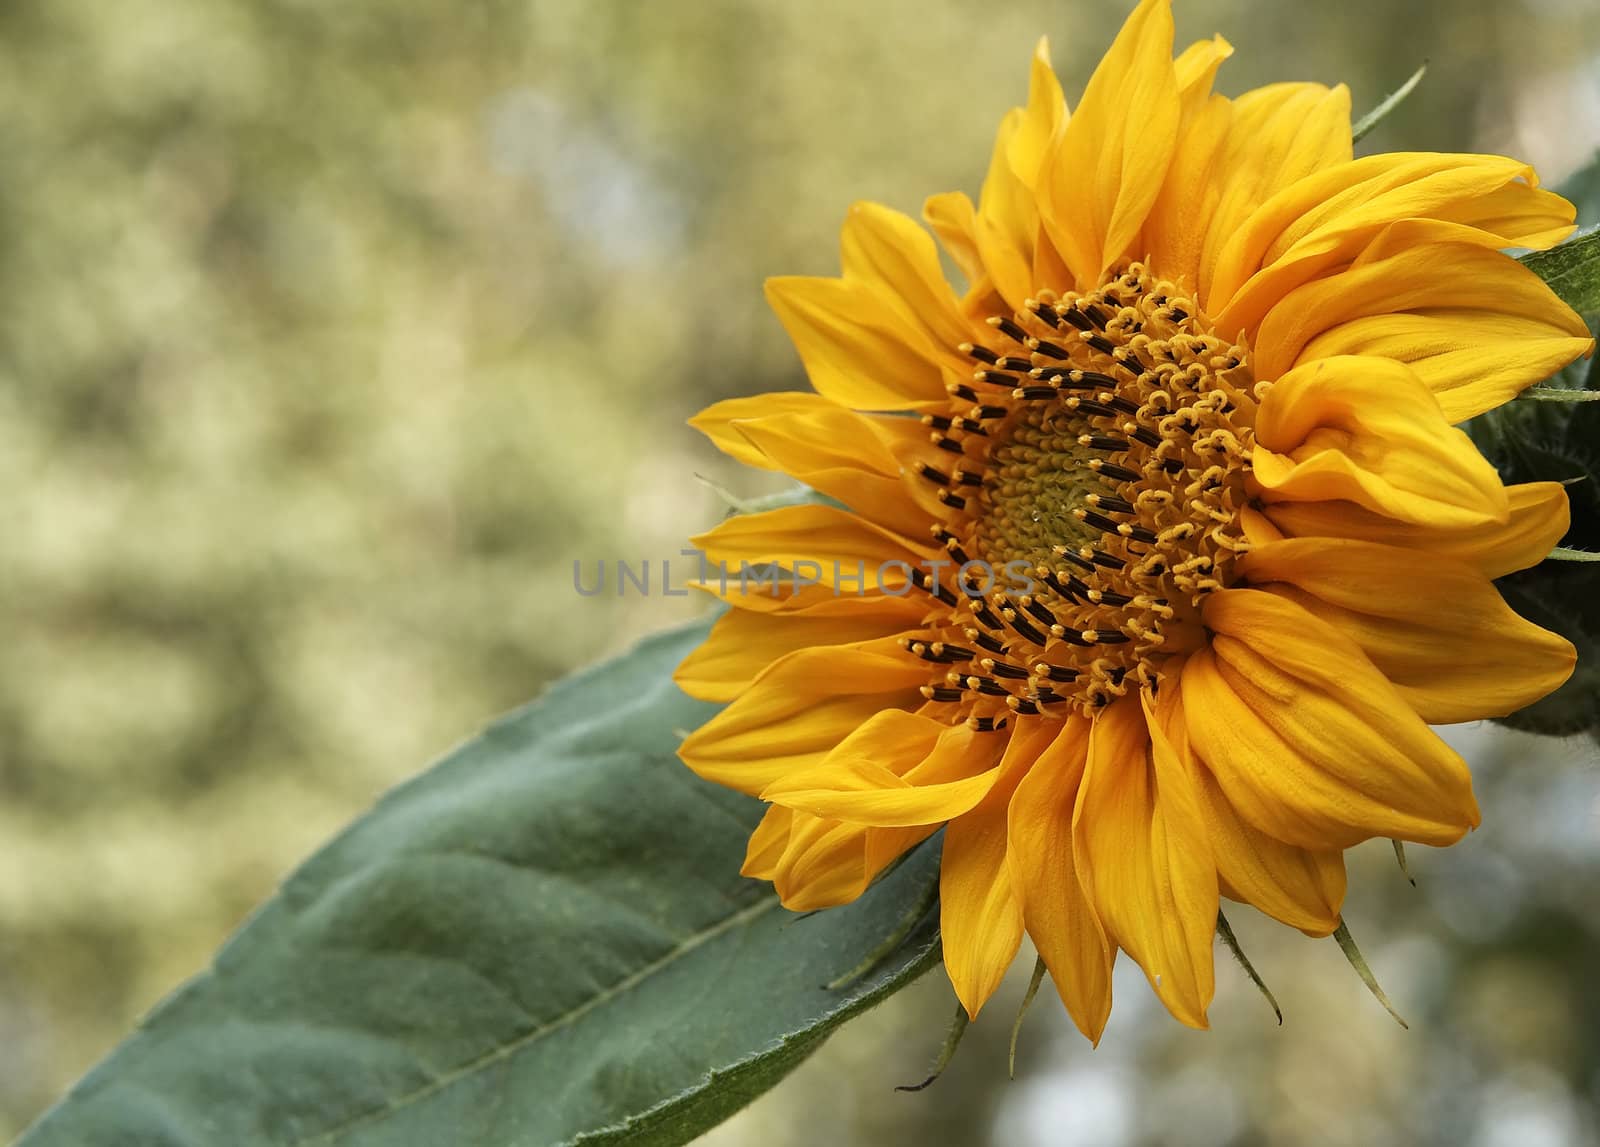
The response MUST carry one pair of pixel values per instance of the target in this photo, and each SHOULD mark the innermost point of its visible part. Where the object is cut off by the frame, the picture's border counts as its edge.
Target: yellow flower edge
(1200, 394)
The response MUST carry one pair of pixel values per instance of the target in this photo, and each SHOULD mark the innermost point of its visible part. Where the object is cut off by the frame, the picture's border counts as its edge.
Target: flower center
(1103, 448)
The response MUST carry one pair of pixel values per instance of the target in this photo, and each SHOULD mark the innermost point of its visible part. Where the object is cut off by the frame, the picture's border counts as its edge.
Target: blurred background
(333, 334)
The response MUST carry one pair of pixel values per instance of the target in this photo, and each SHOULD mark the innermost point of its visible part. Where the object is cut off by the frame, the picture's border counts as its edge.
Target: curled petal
(898, 769)
(1367, 431)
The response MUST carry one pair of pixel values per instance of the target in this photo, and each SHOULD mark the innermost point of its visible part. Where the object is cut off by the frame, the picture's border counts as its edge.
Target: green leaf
(544, 939)
(1572, 271)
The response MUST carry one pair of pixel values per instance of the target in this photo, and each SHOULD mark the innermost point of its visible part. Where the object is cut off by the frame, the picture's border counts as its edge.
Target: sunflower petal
(826, 863)
(1008, 219)
(1059, 915)
(823, 544)
(834, 450)
(1539, 518)
(857, 349)
(1140, 847)
(954, 220)
(1327, 220)
(1176, 229)
(1041, 119)
(1437, 629)
(742, 643)
(892, 253)
(980, 904)
(1101, 174)
(1174, 233)
(1277, 136)
(1369, 432)
(898, 769)
(1472, 360)
(1196, 68)
(1296, 886)
(1309, 742)
(717, 421)
(799, 709)
(1474, 324)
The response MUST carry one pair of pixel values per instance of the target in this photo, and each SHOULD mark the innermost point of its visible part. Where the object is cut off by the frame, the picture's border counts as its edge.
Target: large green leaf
(1572, 270)
(542, 940)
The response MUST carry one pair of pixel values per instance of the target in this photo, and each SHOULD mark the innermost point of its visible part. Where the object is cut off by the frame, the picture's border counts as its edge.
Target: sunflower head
(1156, 550)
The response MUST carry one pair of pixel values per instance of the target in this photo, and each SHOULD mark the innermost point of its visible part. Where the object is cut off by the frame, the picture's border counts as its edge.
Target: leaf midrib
(511, 1047)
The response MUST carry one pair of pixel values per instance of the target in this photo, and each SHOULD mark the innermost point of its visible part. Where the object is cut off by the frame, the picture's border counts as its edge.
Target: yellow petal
(980, 915)
(979, 886)
(1101, 174)
(1520, 213)
(848, 456)
(1369, 432)
(1327, 220)
(1008, 219)
(779, 596)
(767, 843)
(1277, 136)
(1140, 846)
(857, 349)
(892, 253)
(1473, 361)
(1296, 886)
(1058, 913)
(823, 544)
(897, 770)
(1539, 519)
(742, 643)
(826, 863)
(1518, 331)
(954, 220)
(800, 708)
(1196, 67)
(1438, 630)
(1176, 230)
(1311, 744)
(717, 421)
(1041, 119)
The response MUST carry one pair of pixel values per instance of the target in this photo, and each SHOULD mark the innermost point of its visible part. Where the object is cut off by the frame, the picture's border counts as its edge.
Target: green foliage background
(332, 334)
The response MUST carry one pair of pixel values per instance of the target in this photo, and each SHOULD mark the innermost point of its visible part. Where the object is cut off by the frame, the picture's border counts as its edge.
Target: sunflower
(1149, 560)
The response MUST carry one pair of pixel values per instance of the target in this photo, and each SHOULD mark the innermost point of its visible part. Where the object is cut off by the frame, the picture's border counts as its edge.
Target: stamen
(1108, 546)
(1010, 329)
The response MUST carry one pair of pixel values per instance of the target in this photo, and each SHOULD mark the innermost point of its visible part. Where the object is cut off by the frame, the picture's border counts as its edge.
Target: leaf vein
(511, 1047)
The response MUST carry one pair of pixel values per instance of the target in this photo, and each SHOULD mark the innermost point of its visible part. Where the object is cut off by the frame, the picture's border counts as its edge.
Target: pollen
(1102, 447)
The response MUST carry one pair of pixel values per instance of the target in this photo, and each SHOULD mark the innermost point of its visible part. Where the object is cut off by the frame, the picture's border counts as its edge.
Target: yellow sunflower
(1156, 600)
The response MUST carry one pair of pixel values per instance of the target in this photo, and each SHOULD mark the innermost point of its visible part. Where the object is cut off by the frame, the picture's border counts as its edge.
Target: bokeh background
(331, 335)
